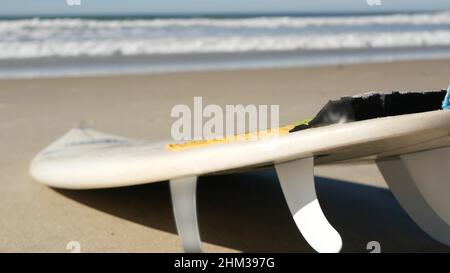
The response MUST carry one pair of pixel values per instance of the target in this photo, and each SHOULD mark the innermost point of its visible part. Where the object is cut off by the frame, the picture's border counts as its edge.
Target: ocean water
(33, 47)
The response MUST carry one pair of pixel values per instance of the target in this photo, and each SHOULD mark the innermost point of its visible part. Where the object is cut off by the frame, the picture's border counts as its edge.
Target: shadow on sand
(247, 212)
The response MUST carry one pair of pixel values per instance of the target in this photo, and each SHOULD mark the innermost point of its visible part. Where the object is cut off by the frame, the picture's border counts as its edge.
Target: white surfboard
(85, 158)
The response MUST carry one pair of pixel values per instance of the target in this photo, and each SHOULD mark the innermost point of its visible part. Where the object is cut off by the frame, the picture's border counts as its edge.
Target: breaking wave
(36, 38)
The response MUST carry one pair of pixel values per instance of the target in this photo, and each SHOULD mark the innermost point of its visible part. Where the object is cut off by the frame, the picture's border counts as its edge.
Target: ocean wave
(35, 49)
(36, 38)
(254, 22)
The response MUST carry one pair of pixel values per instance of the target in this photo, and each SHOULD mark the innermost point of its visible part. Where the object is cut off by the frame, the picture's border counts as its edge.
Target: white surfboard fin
(421, 183)
(183, 192)
(297, 182)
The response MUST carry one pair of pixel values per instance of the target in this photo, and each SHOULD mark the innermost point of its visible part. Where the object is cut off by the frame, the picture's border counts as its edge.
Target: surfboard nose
(74, 161)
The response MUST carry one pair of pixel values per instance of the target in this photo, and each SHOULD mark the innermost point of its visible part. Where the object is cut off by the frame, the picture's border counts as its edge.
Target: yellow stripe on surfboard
(230, 139)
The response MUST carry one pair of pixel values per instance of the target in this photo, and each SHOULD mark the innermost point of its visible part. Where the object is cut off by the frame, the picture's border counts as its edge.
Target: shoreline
(232, 70)
(121, 65)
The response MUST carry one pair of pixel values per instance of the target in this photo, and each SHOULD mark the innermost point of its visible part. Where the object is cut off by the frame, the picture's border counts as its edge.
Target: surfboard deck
(85, 158)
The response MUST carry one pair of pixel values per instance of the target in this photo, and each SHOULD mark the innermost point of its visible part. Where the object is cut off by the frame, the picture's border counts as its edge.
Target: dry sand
(244, 212)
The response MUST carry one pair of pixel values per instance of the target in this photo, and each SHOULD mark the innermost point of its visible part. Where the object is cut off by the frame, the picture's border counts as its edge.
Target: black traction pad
(376, 105)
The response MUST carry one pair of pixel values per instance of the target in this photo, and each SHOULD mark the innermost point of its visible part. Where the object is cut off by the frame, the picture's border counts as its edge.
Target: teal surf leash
(446, 102)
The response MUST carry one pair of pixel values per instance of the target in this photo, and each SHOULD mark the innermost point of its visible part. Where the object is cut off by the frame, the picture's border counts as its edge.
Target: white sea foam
(34, 38)
(34, 49)
(256, 22)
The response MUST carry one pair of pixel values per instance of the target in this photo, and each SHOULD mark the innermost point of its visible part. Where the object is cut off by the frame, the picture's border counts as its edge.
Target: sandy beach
(242, 212)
